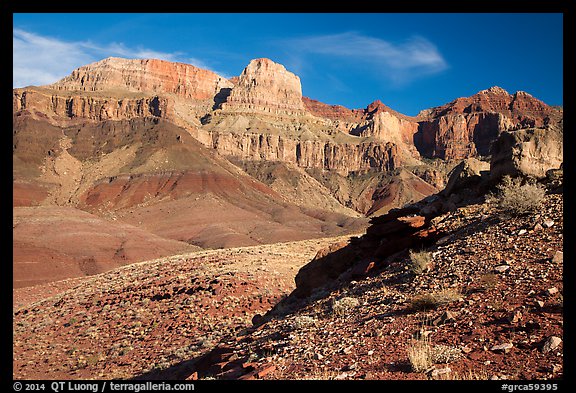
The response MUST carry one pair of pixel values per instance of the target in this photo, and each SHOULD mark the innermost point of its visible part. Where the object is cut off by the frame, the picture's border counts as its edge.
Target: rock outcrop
(325, 154)
(388, 234)
(266, 87)
(147, 75)
(530, 152)
(467, 126)
(466, 174)
(332, 112)
(385, 124)
(59, 106)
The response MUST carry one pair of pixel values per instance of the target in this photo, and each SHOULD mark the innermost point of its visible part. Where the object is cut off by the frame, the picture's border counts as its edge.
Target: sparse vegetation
(517, 196)
(467, 375)
(343, 306)
(420, 261)
(433, 300)
(445, 354)
(488, 281)
(303, 321)
(420, 355)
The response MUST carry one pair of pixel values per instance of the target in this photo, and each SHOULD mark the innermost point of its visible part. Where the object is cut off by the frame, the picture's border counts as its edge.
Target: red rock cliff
(149, 75)
(466, 127)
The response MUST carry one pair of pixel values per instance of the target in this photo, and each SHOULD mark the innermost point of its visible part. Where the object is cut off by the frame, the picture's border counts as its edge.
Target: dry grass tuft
(343, 306)
(420, 355)
(433, 300)
(420, 261)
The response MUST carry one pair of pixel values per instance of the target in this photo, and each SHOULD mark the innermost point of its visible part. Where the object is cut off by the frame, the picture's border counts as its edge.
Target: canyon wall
(99, 108)
(262, 115)
(147, 75)
(341, 157)
(468, 126)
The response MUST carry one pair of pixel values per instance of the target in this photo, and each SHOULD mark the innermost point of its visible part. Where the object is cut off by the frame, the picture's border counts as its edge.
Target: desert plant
(516, 198)
(343, 306)
(420, 261)
(433, 300)
(445, 354)
(303, 321)
(488, 281)
(420, 355)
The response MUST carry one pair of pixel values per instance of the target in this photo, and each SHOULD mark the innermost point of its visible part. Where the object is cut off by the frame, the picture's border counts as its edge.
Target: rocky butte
(369, 160)
(293, 239)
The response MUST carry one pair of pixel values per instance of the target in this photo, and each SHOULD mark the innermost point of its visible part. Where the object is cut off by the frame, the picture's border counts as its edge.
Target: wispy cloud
(400, 62)
(41, 60)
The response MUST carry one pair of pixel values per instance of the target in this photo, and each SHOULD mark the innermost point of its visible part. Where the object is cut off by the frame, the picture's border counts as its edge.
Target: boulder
(466, 174)
(528, 152)
(551, 344)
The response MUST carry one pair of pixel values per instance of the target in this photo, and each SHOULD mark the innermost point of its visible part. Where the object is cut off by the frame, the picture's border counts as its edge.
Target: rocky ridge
(147, 75)
(467, 126)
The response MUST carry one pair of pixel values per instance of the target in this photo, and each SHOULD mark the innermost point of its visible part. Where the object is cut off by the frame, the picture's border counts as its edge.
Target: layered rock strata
(64, 106)
(467, 126)
(266, 87)
(147, 75)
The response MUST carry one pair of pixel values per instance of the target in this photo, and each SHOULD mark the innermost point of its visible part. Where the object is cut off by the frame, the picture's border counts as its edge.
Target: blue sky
(408, 61)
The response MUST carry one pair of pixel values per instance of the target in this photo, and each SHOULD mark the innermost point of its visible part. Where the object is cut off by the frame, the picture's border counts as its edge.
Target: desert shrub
(303, 321)
(516, 198)
(420, 355)
(344, 306)
(433, 300)
(420, 261)
(445, 354)
(488, 281)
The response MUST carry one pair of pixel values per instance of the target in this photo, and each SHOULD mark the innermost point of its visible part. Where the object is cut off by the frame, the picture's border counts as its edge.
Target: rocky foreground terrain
(152, 315)
(488, 305)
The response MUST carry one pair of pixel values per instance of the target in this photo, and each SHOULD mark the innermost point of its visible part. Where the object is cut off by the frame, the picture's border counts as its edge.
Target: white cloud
(40, 60)
(400, 62)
